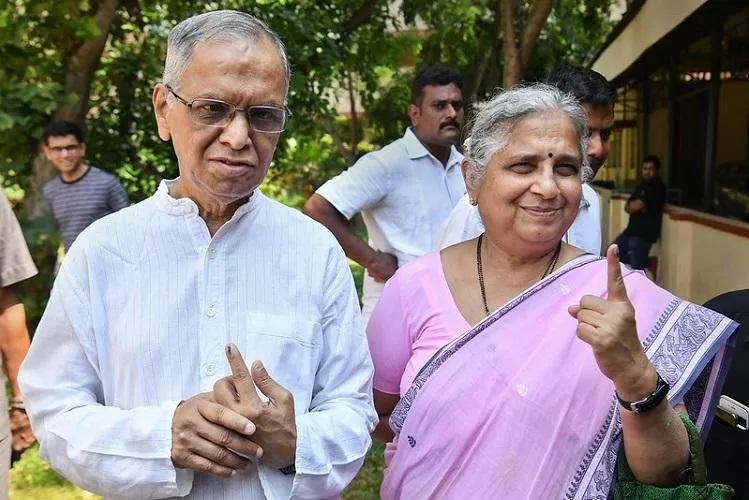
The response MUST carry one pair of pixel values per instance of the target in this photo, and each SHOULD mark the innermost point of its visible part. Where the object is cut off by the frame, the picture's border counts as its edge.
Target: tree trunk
(516, 56)
(512, 70)
(354, 121)
(481, 63)
(532, 30)
(81, 65)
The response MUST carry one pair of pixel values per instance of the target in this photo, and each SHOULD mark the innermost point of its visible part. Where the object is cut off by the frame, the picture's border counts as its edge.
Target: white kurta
(138, 320)
(465, 224)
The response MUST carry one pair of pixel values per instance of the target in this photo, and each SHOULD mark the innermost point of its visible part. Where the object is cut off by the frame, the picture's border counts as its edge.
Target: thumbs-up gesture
(608, 326)
(275, 423)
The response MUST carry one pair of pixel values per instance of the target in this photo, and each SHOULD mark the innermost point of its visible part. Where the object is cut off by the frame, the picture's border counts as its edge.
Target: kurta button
(211, 311)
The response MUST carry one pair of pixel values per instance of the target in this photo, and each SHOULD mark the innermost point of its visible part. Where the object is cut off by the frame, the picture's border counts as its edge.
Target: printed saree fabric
(517, 408)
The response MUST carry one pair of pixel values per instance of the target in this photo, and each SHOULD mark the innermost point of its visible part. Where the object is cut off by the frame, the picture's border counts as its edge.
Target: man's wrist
(370, 260)
(17, 404)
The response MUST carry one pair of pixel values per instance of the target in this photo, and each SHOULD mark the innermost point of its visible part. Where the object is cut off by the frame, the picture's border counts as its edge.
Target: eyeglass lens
(217, 113)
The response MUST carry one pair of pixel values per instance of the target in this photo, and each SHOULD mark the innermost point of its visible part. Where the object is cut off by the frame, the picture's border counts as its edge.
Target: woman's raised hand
(608, 326)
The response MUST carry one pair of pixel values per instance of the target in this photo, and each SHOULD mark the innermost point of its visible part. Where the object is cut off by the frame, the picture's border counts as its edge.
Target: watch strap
(648, 402)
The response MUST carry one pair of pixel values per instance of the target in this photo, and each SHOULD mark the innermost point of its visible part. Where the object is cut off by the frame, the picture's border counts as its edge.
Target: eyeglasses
(67, 149)
(217, 113)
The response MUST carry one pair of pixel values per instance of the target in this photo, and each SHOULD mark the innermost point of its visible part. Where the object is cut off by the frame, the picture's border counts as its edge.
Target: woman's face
(531, 190)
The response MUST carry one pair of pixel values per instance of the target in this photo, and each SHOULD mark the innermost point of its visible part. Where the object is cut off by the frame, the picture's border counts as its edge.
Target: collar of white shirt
(185, 206)
(416, 149)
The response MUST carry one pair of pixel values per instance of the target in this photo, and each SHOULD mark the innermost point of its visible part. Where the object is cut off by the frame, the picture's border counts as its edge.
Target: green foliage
(328, 43)
(31, 472)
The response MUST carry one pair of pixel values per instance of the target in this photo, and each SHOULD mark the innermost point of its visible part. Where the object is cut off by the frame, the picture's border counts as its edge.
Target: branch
(329, 127)
(360, 16)
(536, 21)
(480, 62)
(83, 61)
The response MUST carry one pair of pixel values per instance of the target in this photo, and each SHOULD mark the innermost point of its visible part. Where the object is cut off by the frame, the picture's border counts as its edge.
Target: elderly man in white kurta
(135, 383)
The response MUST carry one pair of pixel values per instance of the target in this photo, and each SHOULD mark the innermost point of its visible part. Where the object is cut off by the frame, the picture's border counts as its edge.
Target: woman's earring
(473, 201)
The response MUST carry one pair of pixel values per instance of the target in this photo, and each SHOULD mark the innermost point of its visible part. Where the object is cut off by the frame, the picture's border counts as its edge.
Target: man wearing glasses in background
(135, 384)
(81, 193)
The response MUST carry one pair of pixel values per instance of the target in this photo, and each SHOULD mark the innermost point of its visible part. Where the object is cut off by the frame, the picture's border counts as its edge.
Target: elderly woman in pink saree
(533, 400)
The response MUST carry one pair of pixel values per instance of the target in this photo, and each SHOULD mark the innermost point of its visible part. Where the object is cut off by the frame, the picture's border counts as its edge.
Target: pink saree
(517, 408)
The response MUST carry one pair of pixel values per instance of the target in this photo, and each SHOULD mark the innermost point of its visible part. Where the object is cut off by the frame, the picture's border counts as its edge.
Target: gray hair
(491, 128)
(216, 26)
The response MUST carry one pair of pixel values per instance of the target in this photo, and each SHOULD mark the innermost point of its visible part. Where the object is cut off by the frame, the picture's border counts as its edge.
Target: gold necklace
(480, 268)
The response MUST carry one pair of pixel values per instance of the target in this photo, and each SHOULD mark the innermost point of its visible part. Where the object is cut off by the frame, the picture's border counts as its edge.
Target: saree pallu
(517, 408)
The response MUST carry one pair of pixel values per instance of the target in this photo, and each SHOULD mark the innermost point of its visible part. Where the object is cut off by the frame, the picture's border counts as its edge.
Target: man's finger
(200, 464)
(225, 438)
(615, 282)
(224, 393)
(223, 416)
(272, 389)
(241, 376)
(219, 455)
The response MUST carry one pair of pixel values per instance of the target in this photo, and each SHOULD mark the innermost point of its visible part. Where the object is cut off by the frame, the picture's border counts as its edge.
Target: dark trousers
(633, 250)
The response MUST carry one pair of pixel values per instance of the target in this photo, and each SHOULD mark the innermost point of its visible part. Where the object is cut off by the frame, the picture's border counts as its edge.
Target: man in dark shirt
(645, 209)
(81, 193)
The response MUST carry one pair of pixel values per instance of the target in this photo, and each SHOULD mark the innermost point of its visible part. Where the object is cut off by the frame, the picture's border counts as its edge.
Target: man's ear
(414, 114)
(160, 110)
(83, 149)
(46, 151)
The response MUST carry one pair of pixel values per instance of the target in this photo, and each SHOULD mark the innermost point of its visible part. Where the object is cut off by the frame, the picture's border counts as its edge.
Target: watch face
(650, 402)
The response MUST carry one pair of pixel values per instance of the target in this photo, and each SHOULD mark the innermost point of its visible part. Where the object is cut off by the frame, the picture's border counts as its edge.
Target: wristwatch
(648, 402)
(17, 404)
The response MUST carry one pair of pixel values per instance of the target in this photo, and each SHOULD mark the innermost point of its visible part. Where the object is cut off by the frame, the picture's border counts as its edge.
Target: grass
(32, 479)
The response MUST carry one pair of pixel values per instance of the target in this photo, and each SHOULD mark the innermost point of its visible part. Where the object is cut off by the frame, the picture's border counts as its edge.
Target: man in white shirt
(597, 97)
(405, 190)
(127, 384)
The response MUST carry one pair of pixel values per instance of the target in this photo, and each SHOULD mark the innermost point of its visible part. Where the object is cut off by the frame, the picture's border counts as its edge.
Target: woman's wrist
(638, 385)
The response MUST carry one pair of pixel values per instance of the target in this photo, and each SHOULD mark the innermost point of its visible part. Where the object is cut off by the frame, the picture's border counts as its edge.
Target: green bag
(626, 486)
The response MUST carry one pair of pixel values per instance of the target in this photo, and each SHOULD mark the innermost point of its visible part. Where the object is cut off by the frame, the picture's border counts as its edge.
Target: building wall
(652, 22)
(700, 256)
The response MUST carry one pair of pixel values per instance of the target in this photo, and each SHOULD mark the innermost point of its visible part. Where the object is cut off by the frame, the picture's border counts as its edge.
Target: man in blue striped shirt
(81, 193)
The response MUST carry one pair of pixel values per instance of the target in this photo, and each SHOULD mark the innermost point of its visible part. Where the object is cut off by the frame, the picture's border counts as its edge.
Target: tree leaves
(371, 42)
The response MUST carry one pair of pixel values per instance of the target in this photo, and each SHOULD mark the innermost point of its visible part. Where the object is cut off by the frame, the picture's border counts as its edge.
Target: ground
(32, 479)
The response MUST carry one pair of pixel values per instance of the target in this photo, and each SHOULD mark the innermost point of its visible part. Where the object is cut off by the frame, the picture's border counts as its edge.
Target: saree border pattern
(679, 366)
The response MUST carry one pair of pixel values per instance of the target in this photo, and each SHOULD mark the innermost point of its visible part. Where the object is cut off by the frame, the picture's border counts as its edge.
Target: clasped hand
(382, 267)
(608, 326)
(220, 431)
